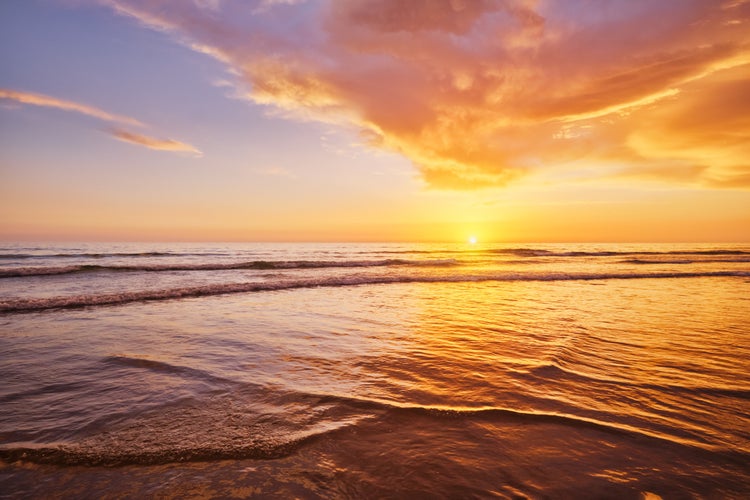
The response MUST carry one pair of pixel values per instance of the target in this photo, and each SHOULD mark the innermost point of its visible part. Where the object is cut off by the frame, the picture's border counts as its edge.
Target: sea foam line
(75, 301)
(23, 272)
(607, 424)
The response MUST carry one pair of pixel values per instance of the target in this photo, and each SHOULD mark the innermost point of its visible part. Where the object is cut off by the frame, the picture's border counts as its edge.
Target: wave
(100, 255)
(71, 456)
(523, 252)
(555, 372)
(606, 423)
(146, 363)
(243, 421)
(55, 388)
(139, 446)
(252, 421)
(539, 252)
(738, 260)
(609, 424)
(518, 251)
(77, 301)
(156, 365)
(252, 265)
(213, 430)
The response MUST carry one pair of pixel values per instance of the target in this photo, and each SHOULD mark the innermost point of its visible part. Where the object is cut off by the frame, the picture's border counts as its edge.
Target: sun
(472, 240)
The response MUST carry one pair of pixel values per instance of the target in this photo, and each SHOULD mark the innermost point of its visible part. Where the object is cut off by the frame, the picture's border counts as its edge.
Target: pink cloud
(53, 102)
(84, 109)
(153, 143)
(478, 93)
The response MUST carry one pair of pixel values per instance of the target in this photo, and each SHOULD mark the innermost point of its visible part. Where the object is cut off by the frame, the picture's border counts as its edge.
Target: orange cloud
(52, 102)
(481, 92)
(152, 143)
(711, 129)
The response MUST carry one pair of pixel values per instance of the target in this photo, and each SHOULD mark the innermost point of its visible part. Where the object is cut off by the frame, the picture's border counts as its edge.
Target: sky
(375, 120)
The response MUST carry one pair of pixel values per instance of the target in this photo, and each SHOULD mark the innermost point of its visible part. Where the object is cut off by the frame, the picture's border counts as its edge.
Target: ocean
(374, 371)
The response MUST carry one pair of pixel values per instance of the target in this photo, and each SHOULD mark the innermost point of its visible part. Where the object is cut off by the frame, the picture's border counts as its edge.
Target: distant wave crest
(539, 252)
(736, 260)
(95, 255)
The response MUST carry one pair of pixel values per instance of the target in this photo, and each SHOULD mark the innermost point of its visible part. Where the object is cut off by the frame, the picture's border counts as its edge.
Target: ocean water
(374, 371)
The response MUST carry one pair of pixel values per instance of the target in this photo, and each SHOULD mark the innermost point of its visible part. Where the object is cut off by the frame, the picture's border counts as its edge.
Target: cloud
(52, 102)
(214, 5)
(152, 143)
(275, 172)
(482, 92)
(84, 109)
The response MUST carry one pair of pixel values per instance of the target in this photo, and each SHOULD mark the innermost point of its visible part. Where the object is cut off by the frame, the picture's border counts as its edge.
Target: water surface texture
(375, 371)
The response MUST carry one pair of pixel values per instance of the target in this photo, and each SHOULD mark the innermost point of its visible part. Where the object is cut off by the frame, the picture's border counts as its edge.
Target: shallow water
(375, 371)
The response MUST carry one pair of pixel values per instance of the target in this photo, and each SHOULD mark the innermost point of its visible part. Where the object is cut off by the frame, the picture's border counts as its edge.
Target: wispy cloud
(52, 102)
(479, 93)
(275, 172)
(84, 109)
(153, 143)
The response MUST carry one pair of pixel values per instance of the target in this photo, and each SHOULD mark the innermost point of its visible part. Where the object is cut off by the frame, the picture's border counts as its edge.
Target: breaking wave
(188, 435)
(252, 265)
(220, 429)
(75, 301)
(98, 255)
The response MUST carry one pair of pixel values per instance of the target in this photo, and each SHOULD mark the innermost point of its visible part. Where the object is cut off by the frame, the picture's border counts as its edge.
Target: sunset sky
(375, 120)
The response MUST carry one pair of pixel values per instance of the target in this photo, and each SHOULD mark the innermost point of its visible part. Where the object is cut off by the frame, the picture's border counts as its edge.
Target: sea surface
(374, 371)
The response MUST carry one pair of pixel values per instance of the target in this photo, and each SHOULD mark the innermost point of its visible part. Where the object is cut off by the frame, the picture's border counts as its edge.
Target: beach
(375, 370)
